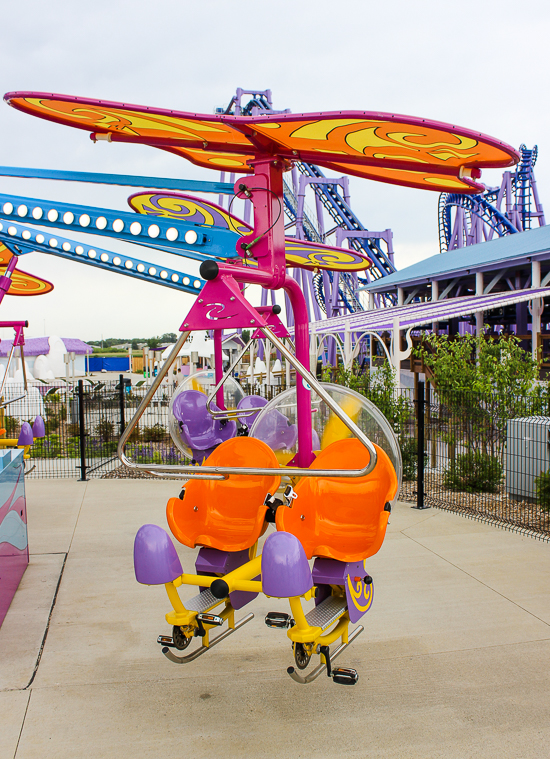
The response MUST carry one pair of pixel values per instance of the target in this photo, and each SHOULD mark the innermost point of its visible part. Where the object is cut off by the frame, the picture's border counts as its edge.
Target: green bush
(154, 434)
(11, 424)
(409, 456)
(51, 424)
(474, 472)
(105, 429)
(542, 489)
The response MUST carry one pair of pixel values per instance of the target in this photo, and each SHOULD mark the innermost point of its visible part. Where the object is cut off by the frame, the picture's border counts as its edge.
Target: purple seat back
(248, 402)
(198, 429)
(278, 432)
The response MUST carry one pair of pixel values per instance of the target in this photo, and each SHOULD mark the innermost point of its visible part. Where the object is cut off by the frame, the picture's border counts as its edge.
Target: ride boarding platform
(452, 661)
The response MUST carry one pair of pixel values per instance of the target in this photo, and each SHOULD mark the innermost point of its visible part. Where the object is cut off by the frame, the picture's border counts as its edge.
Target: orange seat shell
(226, 514)
(342, 518)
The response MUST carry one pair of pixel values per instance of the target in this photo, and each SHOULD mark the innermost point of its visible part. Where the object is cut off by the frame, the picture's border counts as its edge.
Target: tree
(481, 383)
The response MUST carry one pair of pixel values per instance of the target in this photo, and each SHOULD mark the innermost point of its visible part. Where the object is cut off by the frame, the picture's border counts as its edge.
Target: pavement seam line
(22, 725)
(476, 579)
(78, 516)
(66, 554)
(43, 643)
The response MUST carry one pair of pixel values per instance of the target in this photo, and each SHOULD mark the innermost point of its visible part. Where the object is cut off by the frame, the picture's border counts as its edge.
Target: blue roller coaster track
(478, 218)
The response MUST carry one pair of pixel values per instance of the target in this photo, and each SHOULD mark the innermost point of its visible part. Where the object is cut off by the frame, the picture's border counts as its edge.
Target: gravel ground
(493, 507)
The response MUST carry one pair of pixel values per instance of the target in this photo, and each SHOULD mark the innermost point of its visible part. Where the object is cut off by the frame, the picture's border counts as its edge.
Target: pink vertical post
(5, 279)
(218, 366)
(305, 456)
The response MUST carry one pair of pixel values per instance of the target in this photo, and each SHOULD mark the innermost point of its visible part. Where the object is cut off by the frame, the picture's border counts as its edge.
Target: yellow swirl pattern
(21, 282)
(361, 595)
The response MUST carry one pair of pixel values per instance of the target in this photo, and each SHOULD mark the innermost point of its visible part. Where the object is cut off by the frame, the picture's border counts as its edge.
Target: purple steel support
(308, 277)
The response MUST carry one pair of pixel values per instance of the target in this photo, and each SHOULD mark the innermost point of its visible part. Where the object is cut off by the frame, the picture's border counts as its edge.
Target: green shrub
(105, 429)
(409, 456)
(154, 434)
(474, 472)
(51, 424)
(542, 489)
(11, 424)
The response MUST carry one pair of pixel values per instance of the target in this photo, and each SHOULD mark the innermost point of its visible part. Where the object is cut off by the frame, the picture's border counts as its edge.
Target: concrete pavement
(453, 662)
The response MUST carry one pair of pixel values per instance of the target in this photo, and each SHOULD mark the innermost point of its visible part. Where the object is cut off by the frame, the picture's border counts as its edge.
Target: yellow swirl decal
(360, 594)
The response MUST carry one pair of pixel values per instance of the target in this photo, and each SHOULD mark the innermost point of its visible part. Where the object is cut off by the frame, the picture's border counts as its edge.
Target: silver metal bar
(203, 649)
(25, 387)
(23, 368)
(163, 371)
(8, 364)
(222, 472)
(314, 674)
(229, 414)
(333, 406)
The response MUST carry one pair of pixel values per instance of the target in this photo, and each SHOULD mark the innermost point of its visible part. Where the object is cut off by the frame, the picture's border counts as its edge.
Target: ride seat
(198, 429)
(342, 518)
(226, 514)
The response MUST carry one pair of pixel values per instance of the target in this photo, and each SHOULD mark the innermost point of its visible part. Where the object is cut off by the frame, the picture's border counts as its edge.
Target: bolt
(195, 508)
(302, 517)
(252, 321)
(232, 297)
(200, 300)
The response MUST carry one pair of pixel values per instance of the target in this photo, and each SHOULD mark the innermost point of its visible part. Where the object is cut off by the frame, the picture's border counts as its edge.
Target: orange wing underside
(21, 282)
(384, 147)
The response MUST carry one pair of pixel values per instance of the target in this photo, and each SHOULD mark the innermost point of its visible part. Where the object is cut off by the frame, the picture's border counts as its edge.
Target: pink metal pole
(218, 366)
(5, 279)
(305, 456)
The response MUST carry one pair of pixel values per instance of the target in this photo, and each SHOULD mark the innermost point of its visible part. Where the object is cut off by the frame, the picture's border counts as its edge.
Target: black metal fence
(83, 424)
(487, 458)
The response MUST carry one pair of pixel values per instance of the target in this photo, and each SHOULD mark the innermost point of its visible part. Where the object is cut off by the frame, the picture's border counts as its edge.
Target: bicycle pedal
(345, 676)
(278, 619)
(166, 640)
(210, 619)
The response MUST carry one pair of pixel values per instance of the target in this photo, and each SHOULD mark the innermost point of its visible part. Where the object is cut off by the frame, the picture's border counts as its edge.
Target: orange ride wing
(21, 282)
(386, 147)
(299, 253)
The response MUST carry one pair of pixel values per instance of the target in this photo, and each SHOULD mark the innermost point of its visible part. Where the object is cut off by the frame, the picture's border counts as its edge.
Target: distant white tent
(198, 342)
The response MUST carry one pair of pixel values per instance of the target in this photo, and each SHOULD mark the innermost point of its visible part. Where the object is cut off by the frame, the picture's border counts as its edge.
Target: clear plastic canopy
(203, 425)
(276, 424)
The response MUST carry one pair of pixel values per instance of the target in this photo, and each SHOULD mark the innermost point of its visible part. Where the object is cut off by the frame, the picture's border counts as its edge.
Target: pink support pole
(218, 366)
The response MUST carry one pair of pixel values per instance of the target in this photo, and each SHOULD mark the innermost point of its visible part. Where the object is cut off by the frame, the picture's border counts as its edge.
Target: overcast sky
(478, 63)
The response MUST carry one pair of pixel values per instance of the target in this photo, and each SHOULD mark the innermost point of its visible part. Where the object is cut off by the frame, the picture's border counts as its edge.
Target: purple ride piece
(25, 435)
(155, 559)
(285, 568)
(277, 432)
(250, 402)
(210, 561)
(198, 429)
(38, 428)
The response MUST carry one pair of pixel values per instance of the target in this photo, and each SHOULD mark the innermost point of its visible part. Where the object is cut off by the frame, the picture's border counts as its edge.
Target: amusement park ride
(319, 461)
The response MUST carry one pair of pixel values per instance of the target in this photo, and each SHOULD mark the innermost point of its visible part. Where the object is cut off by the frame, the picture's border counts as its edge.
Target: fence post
(421, 439)
(82, 431)
(121, 403)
